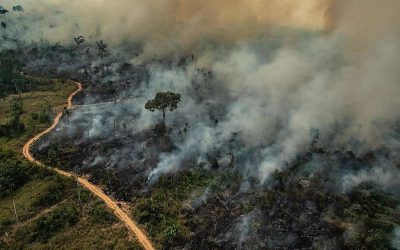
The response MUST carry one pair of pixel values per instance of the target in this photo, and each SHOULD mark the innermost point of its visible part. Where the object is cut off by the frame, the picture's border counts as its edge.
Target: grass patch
(161, 213)
(34, 106)
(53, 211)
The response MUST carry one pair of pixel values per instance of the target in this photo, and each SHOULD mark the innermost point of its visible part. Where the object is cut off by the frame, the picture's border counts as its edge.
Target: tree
(17, 107)
(14, 127)
(164, 101)
(3, 12)
(102, 47)
(4, 30)
(19, 9)
(13, 172)
(79, 40)
(7, 76)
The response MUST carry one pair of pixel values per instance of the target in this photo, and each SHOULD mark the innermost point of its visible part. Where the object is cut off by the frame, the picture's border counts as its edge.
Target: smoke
(396, 240)
(365, 25)
(263, 76)
(168, 27)
(263, 83)
(275, 84)
(276, 101)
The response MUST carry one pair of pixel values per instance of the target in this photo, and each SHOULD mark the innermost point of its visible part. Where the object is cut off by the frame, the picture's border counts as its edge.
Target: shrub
(13, 173)
(46, 226)
(99, 214)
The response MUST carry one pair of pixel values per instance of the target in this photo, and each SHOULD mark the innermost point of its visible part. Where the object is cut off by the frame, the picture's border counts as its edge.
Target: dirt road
(132, 226)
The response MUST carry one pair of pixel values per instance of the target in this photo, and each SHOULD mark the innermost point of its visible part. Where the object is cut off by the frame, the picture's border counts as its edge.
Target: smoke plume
(172, 26)
(265, 77)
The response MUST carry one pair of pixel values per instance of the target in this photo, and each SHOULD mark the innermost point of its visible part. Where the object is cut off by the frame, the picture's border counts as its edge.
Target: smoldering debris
(261, 102)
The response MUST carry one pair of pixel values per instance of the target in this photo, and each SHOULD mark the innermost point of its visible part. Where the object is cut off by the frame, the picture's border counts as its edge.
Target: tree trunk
(114, 128)
(163, 118)
(163, 122)
(15, 211)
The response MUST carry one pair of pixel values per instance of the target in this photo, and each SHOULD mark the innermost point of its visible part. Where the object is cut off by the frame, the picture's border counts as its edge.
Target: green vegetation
(14, 127)
(7, 75)
(164, 101)
(48, 225)
(162, 212)
(38, 208)
(12, 177)
(12, 80)
(371, 213)
(25, 114)
(366, 217)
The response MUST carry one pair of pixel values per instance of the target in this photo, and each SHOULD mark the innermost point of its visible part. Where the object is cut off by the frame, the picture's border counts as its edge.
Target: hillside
(50, 211)
(192, 124)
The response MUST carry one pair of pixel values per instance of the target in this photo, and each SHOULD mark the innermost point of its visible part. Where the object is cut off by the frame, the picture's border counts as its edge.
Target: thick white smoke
(166, 27)
(277, 80)
(262, 80)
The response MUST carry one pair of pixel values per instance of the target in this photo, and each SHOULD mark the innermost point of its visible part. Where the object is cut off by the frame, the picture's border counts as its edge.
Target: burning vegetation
(283, 136)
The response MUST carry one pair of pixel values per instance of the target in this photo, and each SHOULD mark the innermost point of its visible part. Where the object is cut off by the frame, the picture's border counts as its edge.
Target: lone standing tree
(162, 102)
(102, 47)
(79, 40)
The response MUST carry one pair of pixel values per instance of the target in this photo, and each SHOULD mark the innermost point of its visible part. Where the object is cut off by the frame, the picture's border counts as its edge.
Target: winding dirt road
(132, 226)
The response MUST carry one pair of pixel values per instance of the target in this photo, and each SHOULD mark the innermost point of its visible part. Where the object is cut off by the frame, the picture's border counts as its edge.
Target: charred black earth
(216, 203)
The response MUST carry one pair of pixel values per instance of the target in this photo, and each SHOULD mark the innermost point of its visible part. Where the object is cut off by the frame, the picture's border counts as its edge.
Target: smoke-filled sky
(287, 66)
(280, 70)
(177, 26)
(173, 26)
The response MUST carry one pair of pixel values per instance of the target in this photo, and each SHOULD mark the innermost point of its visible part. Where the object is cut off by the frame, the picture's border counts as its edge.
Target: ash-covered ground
(208, 181)
(285, 137)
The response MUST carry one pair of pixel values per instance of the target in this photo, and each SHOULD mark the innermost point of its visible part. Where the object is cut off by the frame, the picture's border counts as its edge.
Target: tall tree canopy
(164, 101)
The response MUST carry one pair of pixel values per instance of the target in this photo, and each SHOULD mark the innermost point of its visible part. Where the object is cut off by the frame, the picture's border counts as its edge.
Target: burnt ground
(303, 206)
(201, 208)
